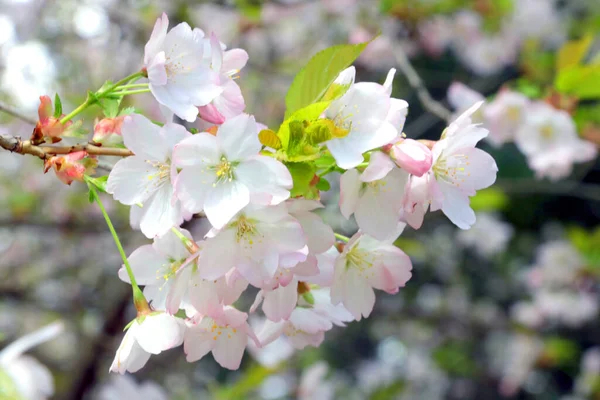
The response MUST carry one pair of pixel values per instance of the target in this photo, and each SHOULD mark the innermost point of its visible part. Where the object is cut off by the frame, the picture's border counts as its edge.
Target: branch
(11, 111)
(415, 81)
(16, 145)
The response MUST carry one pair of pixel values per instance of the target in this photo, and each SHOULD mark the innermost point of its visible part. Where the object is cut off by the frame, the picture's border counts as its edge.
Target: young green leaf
(302, 174)
(270, 139)
(57, 106)
(312, 82)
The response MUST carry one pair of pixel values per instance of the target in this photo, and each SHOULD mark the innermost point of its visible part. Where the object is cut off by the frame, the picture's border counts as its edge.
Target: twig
(16, 145)
(11, 111)
(415, 81)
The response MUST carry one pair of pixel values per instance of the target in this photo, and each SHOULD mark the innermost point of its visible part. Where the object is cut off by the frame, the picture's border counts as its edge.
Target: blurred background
(508, 309)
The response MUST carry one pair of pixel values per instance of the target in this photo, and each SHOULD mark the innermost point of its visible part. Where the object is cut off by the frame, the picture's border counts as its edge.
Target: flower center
(162, 172)
(219, 330)
(359, 259)
(246, 230)
(547, 132)
(454, 172)
(513, 113)
(167, 271)
(224, 171)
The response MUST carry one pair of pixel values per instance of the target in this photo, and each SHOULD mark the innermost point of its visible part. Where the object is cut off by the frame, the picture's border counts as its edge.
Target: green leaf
(573, 52)
(246, 384)
(325, 161)
(302, 174)
(127, 111)
(99, 182)
(270, 139)
(323, 185)
(582, 81)
(312, 82)
(57, 106)
(560, 352)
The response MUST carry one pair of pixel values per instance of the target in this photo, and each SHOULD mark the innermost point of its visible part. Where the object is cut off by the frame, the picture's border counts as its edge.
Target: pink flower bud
(412, 156)
(71, 167)
(48, 128)
(107, 131)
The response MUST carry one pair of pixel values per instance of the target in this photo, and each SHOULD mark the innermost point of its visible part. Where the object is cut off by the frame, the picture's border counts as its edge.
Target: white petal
(229, 349)
(145, 263)
(238, 137)
(143, 137)
(160, 213)
(132, 180)
(160, 332)
(280, 303)
(379, 166)
(218, 255)
(224, 201)
(350, 185)
(457, 208)
(197, 344)
(198, 149)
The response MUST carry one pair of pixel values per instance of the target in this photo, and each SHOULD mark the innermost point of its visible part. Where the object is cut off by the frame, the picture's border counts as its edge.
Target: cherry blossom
(149, 334)
(416, 200)
(71, 167)
(319, 235)
(125, 387)
(548, 137)
(160, 264)
(503, 116)
(255, 242)
(179, 70)
(48, 127)
(364, 265)
(307, 324)
(145, 179)
(226, 336)
(367, 112)
(375, 196)
(31, 380)
(220, 174)
(459, 169)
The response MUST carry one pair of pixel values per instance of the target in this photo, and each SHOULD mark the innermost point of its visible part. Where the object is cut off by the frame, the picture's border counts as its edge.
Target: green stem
(187, 242)
(138, 296)
(133, 86)
(341, 237)
(328, 170)
(76, 111)
(127, 80)
(126, 93)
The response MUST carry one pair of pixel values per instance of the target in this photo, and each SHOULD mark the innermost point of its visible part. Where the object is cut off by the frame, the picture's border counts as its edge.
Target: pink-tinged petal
(224, 201)
(238, 137)
(376, 216)
(345, 156)
(301, 205)
(211, 114)
(204, 296)
(233, 61)
(186, 111)
(131, 180)
(142, 137)
(229, 349)
(145, 263)
(178, 290)
(482, 169)
(218, 255)
(262, 174)
(156, 38)
(197, 343)
(353, 291)
(397, 114)
(394, 268)
(350, 185)
(173, 134)
(231, 102)
(280, 303)
(192, 185)
(379, 166)
(250, 333)
(290, 260)
(287, 235)
(235, 285)
(456, 207)
(134, 361)
(326, 263)
(260, 296)
(160, 332)
(319, 235)
(157, 73)
(160, 213)
(216, 53)
(300, 340)
(412, 156)
(461, 97)
(309, 321)
(198, 149)
(307, 268)
(270, 332)
(259, 271)
(234, 317)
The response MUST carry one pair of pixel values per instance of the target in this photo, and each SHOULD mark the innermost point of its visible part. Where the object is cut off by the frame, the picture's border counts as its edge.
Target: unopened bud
(412, 156)
(107, 131)
(71, 167)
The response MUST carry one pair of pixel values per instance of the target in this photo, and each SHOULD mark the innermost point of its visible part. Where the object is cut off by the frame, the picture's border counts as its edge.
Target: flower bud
(48, 128)
(412, 156)
(107, 131)
(71, 167)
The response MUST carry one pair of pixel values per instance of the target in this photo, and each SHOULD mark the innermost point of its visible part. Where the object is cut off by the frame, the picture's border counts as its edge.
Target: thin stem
(341, 237)
(328, 170)
(127, 80)
(100, 94)
(138, 296)
(133, 86)
(126, 93)
(187, 242)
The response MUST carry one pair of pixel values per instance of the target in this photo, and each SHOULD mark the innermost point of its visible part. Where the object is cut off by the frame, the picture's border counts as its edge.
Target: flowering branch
(415, 81)
(16, 145)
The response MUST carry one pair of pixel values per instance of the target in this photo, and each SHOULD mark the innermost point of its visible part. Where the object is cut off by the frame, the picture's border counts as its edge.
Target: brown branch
(11, 111)
(16, 145)
(415, 81)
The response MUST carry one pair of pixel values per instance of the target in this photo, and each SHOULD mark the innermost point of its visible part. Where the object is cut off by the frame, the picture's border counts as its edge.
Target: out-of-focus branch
(415, 81)
(11, 111)
(16, 145)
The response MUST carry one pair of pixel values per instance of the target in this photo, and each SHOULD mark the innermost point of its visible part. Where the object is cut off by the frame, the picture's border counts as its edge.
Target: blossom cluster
(546, 135)
(262, 237)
